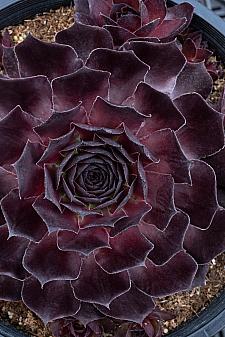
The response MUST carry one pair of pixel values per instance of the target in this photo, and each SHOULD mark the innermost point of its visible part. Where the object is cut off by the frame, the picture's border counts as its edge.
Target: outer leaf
(125, 68)
(85, 241)
(203, 133)
(55, 264)
(102, 111)
(84, 39)
(53, 218)
(175, 275)
(213, 238)
(158, 106)
(33, 94)
(161, 198)
(199, 199)
(168, 242)
(59, 123)
(37, 298)
(94, 285)
(30, 175)
(21, 218)
(164, 70)
(8, 182)
(15, 129)
(128, 249)
(10, 288)
(165, 146)
(50, 59)
(133, 306)
(83, 85)
(11, 255)
(194, 77)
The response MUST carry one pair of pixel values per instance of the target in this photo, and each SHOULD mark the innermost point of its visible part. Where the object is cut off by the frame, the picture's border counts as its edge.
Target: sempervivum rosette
(126, 19)
(110, 164)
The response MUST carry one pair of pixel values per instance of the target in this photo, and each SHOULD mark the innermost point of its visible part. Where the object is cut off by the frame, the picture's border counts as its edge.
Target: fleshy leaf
(161, 198)
(33, 94)
(11, 254)
(21, 218)
(10, 288)
(85, 241)
(94, 285)
(203, 132)
(37, 298)
(158, 106)
(119, 34)
(167, 242)
(10, 62)
(133, 306)
(83, 85)
(8, 182)
(55, 265)
(15, 129)
(161, 58)
(194, 77)
(175, 275)
(199, 199)
(84, 39)
(165, 146)
(88, 313)
(53, 218)
(213, 238)
(127, 249)
(125, 68)
(30, 176)
(37, 57)
(217, 162)
(102, 111)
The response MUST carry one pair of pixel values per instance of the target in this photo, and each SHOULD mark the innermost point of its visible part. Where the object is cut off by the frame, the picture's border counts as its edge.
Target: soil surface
(184, 305)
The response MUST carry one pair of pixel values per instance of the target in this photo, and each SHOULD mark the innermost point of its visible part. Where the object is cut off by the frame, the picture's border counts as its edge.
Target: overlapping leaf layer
(112, 168)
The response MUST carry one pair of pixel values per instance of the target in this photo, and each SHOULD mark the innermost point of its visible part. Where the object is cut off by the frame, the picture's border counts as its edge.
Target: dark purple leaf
(175, 275)
(85, 241)
(167, 242)
(127, 249)
(194, 77)
(30, 176)
(33, 94)
(198, 200)
(94, 285)
(21, 218)
(213, 238)
(37, 57)
(82, 86)
(84, 38)
(53, 218)
(165, 146)
(55, 264)
(16, 128)
(125, 68)
(37, 298)
(10, 288)
(164, 70)
(102, 112)
(133, 306)
(203, 132)
(11, 254)
(161, 198)
(8, 182)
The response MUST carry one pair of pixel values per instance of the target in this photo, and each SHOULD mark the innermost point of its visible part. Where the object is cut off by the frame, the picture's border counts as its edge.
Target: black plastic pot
(211, 322)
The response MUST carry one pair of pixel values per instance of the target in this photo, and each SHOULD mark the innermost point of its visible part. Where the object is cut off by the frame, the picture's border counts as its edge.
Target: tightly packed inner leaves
(112, 168)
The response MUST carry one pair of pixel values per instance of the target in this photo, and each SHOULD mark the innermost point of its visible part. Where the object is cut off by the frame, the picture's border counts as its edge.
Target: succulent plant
(111, 179)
